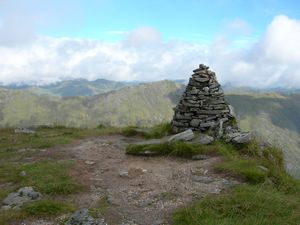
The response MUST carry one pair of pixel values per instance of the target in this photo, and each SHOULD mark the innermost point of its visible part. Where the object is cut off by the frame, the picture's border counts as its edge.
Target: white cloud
(274, 60)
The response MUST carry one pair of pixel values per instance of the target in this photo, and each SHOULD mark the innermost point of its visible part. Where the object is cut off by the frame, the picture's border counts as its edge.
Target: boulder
(242, 138)
(23, 195)
(82, 217)
(150, 142)
(24, 131)
(200, 157)
(183, 136)
(203, 139)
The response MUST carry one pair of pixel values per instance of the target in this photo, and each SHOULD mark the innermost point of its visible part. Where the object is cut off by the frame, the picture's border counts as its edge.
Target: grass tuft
(180, 149)
(131, 131)
(100, 208)
(159, 131)
(46, 208)
(247, 204)
(245, 168)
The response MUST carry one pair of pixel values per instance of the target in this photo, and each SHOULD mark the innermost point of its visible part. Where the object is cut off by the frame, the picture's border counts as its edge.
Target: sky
(252, 43)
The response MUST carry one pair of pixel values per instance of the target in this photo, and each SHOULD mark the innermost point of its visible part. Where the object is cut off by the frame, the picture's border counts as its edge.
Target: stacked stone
(202, 105)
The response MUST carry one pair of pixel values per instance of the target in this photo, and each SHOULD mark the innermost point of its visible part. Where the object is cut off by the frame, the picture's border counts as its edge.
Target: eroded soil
(135, 189)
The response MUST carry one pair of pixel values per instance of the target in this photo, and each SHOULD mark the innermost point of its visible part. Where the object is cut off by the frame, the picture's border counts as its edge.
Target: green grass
(100, 208)
(48, 137)
(245, 168)
(245, 205)
(159, 131)
(48, 177)
(9, 217)
(132, 131)
(180, 149)
(34, 210)
(270, 195)
(46, 208)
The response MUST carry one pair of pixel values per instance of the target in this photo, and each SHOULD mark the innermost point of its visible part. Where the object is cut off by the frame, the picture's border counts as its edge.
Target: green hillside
(144, 105)
(272, 117)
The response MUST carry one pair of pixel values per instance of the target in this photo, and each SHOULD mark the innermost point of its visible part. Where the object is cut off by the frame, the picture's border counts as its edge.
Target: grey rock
(200, 157)
(263, 168)
(194, 92)
(178, 124)
(203, 139)
(23, 195)
(242, 138)
(206, 89)
(24, 131)
(182, 117)
(203, 105)
(230, 135)
(89, 162)
(183, 136)
(231, 111)
(212, 112)
(204, 67)
(113, 200)
(208, 124)
(150, 142)
(220, 131)
(23, 173)
(82, 217)
(201, 79)
(123, 174)
(190, 104)
(129, 222)
(148, 153)
(195, 122)
(202, 179)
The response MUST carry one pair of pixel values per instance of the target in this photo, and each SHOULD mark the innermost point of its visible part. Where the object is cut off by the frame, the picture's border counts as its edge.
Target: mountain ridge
(271, 116)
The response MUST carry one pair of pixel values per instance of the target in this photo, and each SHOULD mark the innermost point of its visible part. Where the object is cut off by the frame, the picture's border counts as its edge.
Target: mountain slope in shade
(273, 118)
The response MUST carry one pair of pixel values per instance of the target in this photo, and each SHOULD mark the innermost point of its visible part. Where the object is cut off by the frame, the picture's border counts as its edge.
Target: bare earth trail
(139, 190)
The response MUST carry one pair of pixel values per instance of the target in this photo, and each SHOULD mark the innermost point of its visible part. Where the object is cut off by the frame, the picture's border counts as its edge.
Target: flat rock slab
(183, 136)
(203, 139)
(240, 137)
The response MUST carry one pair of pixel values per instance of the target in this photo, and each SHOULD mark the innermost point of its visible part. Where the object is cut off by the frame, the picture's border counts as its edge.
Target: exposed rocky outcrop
(203, 107)
(82, 217)
(23, 195)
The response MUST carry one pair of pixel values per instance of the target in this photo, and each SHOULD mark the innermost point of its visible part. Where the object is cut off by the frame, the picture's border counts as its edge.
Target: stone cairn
(203, 107)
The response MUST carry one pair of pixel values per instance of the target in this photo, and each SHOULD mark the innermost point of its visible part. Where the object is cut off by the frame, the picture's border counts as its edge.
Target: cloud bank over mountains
(273, 60)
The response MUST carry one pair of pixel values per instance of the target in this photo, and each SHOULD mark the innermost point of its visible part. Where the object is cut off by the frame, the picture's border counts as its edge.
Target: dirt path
(140, 190)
